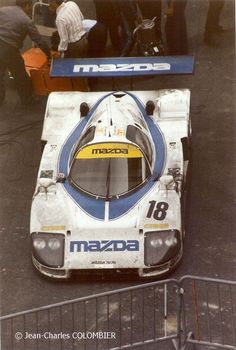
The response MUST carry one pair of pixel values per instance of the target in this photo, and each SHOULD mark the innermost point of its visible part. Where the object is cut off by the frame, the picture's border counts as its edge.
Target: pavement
(210, 241)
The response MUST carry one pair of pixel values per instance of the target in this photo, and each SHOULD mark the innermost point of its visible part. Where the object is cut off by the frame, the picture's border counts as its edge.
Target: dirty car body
(111, 183)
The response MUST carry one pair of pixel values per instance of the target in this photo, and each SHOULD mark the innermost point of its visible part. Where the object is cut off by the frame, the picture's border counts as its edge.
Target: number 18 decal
(157, 210)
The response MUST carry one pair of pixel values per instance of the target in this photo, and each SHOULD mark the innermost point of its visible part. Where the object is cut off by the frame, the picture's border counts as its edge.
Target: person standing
(118, 20)
(212, 27)
(69, 23)
(108, 18)
(176, 28)
(15, 25)
(127, 16)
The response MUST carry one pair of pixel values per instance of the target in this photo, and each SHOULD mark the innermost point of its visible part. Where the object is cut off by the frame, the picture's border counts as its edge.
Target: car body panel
(109, 233)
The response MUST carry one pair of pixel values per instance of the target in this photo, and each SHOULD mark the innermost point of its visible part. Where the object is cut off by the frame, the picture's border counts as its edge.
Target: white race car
(110, 187)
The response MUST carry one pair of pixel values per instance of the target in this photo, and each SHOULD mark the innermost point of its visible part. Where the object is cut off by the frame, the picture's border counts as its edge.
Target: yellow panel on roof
(109, 150)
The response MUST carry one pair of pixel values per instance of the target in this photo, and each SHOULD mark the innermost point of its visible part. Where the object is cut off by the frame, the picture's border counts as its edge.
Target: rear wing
(121, 66)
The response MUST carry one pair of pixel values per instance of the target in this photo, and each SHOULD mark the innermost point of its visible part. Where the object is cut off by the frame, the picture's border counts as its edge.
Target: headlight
(161, 246)
(39, 243)
(54, 243)
(48, 248)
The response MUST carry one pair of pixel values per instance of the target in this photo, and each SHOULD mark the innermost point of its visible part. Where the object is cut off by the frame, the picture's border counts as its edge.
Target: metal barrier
(208, 312)
(43, 30)
(183, 314)
(131, 318)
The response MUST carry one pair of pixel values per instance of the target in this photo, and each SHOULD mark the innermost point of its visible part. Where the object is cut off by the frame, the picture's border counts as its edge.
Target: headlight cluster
(48, 248)
(161, 246)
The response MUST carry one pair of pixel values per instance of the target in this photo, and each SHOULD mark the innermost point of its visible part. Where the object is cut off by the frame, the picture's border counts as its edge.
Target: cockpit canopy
(109, 169)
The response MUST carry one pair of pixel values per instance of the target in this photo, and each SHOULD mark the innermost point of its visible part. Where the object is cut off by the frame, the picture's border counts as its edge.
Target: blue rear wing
(121, 66)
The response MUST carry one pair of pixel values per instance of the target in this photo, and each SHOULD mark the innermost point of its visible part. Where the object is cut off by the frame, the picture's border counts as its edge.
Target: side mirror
(84, 109)
(150, 106)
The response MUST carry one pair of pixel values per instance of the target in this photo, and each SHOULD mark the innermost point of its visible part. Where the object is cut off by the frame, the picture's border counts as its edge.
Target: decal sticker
(156, 226)
(53, 228)
(121, 67)
(103, 262)
(109, 150)
(53, 148)
(119, 132)
(46, 174)
(172, 145)
(104, 246)
(101, 131)
(157, 210)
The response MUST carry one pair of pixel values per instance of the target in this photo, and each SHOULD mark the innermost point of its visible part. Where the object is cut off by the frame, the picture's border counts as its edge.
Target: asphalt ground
(210, 241)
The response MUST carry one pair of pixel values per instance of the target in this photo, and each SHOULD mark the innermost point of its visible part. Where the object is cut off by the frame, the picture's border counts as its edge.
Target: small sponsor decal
(46, 174)
(102, 262)
(104, 246)
(101, 131)
(53, 228)
(156, 226)
(118, 131)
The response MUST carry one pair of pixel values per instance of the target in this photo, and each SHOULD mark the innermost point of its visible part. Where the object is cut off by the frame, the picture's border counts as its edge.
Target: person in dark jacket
(118, 20)
(15, 25)
(108, 21)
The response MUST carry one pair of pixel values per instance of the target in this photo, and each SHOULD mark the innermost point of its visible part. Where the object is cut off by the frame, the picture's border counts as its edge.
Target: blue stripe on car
(92, 206)
(121, 206)
(96, 207)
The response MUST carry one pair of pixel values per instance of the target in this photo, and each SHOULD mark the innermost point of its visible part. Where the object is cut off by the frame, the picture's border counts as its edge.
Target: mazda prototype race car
(111, 183)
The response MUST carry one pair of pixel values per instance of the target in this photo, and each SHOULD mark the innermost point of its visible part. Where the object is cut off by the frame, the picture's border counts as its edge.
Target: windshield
(109, 169)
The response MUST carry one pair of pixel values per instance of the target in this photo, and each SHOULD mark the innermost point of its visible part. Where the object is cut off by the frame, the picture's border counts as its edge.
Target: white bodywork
(118, 241)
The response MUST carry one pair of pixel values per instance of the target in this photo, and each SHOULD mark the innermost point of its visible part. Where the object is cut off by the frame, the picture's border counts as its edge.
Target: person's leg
(212, 21)
(78, 49)
(176, 31)
(97, 38)
(3, 68)
(126, 36)
(2, 80)
(22, 80)
(2, 84)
